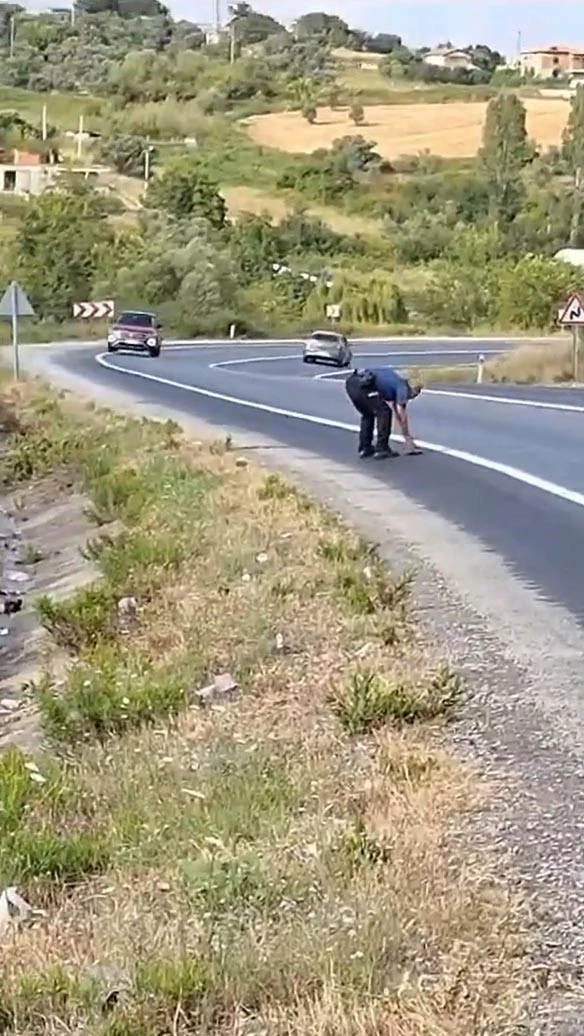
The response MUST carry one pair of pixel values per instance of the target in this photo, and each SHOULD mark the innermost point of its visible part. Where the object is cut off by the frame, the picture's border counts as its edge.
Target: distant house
(574, 256)
(552, 62)
(450, 58)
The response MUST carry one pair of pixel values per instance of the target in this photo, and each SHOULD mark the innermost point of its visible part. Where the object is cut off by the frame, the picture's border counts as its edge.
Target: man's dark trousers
(364, 396)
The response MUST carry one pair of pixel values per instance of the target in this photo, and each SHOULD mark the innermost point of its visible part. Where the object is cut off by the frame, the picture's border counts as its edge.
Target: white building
(449, 57)
(574, 256)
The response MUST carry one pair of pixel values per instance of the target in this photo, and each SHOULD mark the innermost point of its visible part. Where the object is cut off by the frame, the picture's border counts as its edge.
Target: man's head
(415, 386)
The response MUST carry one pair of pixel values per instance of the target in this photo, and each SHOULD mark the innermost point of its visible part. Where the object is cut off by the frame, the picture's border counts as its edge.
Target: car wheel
(154, 352)
(112, 348)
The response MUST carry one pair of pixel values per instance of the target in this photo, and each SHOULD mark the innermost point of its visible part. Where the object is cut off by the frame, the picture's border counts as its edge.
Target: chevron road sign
(572, 314)
(94, 310)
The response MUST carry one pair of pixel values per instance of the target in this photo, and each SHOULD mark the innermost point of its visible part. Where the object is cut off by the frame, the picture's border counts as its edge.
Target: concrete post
(480, 369)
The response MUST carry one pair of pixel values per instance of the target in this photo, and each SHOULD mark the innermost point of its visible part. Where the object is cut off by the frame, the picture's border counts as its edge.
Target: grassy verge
(50, 331)
(460, 374)
(549, 364)
(277, 860)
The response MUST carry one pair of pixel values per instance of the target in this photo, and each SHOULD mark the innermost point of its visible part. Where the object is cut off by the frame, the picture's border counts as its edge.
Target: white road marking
(360, 356)
(254, 359)
(509, 400)
(562, 492)
(337, 375)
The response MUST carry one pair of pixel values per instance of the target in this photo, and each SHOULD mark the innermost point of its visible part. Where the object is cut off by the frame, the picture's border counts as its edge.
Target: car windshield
(329, 339)
(136, 319)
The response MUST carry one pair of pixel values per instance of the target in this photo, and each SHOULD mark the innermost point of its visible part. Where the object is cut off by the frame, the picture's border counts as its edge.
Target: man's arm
(401, 412)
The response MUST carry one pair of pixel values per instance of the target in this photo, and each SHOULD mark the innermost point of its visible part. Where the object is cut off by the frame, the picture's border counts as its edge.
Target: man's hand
(411, 447)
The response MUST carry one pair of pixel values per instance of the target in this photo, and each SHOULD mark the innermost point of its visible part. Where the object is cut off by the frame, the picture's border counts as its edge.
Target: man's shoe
(368, 452)
(385, 454)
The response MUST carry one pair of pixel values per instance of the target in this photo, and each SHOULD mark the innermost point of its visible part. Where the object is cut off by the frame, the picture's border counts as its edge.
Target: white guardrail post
(480, 369)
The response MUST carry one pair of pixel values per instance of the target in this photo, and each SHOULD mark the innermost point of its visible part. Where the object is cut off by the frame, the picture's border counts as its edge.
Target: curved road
(504, 463)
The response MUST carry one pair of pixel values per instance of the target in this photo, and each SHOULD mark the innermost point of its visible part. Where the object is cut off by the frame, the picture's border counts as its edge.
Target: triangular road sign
(15, 298)
(573, 311)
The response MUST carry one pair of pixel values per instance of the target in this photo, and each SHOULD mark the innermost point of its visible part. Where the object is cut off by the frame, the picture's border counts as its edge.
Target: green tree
(125, 8)
(357, 114)
(57, 249)
(185, 189)
(504, 153)
(255, 246)
(126, 153)
(250, 26)
(526, 293)
(573, 154)
(327, 26)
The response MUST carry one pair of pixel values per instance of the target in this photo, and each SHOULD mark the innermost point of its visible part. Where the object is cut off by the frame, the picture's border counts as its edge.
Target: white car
(327, 347)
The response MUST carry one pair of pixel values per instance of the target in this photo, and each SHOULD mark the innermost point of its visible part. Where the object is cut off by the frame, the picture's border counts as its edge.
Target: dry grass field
(452, 130)
(244, 199)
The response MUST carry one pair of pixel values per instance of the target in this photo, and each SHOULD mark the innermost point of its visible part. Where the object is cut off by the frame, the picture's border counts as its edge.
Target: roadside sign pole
(14, 316)
(572, 316)
(14, 304)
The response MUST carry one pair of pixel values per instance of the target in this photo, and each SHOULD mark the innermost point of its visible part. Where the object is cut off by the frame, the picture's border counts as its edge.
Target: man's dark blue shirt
(391, 386)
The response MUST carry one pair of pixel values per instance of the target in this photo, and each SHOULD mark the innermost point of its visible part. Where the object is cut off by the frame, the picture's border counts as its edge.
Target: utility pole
(217, 16)
(231, 42)
(72, 12)
(80, 138)
(15, 355)
(12, 34)
(147, 160)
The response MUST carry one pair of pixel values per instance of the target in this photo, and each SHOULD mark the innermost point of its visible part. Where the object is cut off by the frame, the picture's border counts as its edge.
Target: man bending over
(378, 393)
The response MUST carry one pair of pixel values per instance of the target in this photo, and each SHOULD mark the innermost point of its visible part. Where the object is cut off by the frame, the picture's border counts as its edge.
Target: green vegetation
(282, 854)
(437, 244)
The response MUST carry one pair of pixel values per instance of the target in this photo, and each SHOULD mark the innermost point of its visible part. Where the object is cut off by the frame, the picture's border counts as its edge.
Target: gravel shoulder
(522, 724)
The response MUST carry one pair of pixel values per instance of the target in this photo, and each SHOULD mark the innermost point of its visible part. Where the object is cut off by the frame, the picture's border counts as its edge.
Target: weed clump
(369, 701)
(37, 836)
(87, 619)
(107, 695)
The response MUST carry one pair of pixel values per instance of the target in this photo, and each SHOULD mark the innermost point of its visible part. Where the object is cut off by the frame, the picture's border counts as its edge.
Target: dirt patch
(45, 529)
(451, 130)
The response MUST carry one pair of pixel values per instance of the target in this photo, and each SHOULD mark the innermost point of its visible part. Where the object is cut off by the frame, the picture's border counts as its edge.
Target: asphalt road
(507, 468)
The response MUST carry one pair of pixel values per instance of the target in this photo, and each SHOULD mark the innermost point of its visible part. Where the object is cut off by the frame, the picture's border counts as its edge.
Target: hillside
(327, 152)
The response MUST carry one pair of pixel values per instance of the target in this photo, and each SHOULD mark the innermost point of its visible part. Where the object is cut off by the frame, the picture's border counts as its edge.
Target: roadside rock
(112, 983)
(9, 604)
(13, 910)
(127, 613)
(223, 688)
